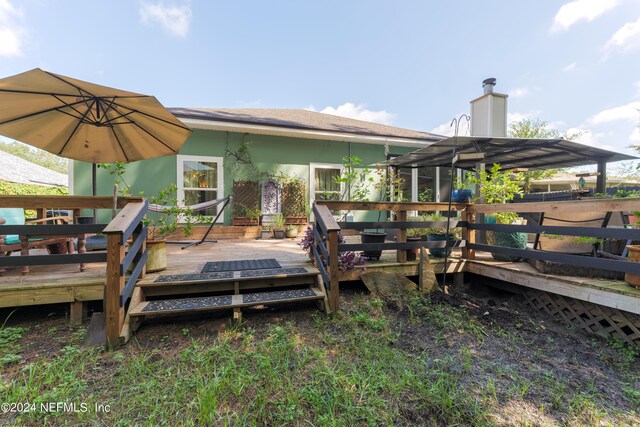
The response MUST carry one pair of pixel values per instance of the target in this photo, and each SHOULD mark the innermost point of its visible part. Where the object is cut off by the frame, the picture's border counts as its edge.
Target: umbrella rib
(153, 136)
(113, 129)
(74, 131)
(84, 90)
(43, 112)
(152, 116)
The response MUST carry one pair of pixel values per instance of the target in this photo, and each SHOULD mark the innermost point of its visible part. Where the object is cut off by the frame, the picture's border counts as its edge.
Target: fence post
(114, 314)
(469, 236)
(401, 237)
(334, 269)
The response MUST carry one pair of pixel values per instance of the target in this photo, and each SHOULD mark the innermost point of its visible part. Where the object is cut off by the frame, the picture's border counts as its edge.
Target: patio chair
(24, 243)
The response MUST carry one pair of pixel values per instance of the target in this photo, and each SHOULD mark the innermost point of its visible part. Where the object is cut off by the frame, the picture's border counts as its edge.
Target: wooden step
(229, 276)
(182, 305)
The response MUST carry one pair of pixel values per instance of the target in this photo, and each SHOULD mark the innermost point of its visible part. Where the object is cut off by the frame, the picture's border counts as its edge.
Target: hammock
(196, 208)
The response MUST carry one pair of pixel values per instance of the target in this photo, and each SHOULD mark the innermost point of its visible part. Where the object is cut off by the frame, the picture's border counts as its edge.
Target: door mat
(195, 276)
(189, 303)
(289, 294)
(272, 272)
(247, 264)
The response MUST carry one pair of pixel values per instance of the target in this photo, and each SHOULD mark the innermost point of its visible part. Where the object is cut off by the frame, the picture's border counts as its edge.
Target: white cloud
(445, 129)
(635, 136)
(358, 112)
(569, 67)
(636, 85)
(626, 38)
(624, 112)
(588, 137)
(580, 10)
(518, 92)
(516, 117)
(174, 19)
(11, 29)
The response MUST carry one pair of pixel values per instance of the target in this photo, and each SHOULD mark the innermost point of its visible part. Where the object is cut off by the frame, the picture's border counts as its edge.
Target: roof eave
(227, 126)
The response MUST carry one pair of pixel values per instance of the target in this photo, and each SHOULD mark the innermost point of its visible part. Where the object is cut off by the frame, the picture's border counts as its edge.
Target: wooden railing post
(114, 313)
(401, 237)
(469, 236)
(334, 272)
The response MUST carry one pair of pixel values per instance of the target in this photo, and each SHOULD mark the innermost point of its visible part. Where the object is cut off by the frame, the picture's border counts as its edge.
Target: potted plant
(389, 187)
(266, 232)
(437, 233)
(278, 226)
(460, 194)
(499, 186)
(415, 235)
(291, 231)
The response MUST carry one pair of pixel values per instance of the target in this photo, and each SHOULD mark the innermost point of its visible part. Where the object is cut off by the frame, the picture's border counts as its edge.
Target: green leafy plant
(417, 232)
(458, 184)
(253, 213)
(163, 223)
(278, 222)
(439, 230)
(498, 186)
(355, 181)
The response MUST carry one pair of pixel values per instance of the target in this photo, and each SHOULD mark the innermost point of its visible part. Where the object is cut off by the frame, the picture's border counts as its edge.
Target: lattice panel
(246, 195)
(587, 316)
(294, 199)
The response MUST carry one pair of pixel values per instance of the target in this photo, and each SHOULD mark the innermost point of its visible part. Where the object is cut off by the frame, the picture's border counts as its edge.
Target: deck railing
(42, 204)
(606, 207)
(326, 231)
(122, 257)
(327, 246)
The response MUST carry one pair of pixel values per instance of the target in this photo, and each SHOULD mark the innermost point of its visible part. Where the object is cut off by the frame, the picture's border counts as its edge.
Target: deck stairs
(227, 290)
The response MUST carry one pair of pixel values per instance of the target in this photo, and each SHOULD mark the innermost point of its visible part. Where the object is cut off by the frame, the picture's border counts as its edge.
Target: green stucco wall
(291, 156)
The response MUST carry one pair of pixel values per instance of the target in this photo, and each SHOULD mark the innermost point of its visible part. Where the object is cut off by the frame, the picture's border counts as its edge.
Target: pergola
(472, 152)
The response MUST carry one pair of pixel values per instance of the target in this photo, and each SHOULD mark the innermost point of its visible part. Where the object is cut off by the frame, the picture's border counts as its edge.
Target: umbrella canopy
(84, 121)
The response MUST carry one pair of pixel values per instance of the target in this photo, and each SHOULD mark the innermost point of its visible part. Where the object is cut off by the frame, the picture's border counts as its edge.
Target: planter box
(244, 220)
(294, 220)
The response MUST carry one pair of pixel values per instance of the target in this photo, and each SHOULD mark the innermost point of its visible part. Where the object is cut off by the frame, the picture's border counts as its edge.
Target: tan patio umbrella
(84, 121)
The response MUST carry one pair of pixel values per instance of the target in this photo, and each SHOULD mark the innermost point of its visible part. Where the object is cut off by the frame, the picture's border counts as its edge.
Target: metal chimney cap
(488, 84)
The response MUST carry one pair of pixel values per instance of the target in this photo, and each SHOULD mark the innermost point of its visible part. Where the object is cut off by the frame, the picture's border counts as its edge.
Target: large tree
(539, 129)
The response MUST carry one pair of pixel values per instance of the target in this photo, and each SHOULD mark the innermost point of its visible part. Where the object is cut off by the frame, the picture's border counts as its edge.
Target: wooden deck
(66, 284)
(609, 293)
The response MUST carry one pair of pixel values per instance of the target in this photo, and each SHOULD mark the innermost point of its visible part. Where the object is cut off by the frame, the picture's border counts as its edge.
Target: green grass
(356, 369)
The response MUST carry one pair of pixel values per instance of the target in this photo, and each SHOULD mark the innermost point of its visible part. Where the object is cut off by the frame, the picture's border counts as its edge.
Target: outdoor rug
(248, 264)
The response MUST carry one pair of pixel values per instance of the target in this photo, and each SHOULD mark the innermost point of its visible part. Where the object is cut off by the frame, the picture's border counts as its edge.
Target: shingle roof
(302, 119)
(17, 169)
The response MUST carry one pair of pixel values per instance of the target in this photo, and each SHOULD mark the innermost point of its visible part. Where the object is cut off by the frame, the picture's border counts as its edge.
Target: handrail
(390, 206)
(127, 220)
(325, 218)
(64, 202)
(596, 205)
(127, 223)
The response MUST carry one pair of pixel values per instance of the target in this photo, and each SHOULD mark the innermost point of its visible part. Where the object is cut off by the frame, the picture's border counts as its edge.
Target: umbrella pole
(93, 188)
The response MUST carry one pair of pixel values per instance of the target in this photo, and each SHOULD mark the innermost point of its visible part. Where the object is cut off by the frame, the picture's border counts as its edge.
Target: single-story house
(570, 181)
(298, 143)
(18, 170)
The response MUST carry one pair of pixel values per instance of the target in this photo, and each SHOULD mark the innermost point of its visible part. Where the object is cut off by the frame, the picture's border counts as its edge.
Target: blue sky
(413, 64)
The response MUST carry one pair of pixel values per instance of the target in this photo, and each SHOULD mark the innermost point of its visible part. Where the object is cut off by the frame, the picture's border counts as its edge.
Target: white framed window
(322, 182)
(200, 179)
